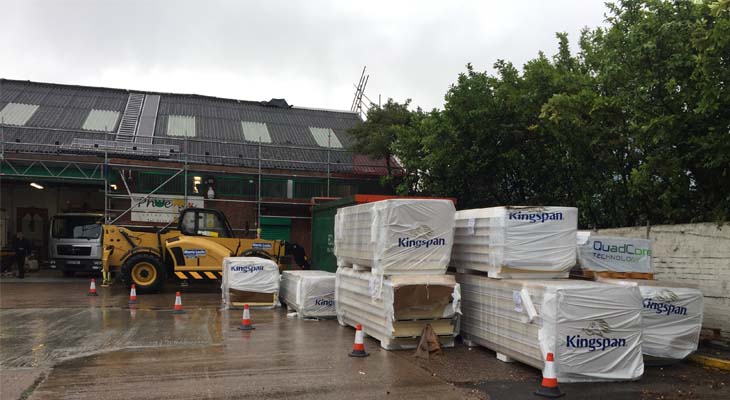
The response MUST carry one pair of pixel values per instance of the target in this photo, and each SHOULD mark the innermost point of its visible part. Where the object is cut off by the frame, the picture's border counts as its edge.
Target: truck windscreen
(76, 227)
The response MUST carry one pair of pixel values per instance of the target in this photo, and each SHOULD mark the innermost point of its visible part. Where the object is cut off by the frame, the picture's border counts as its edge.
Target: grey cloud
(310, 52)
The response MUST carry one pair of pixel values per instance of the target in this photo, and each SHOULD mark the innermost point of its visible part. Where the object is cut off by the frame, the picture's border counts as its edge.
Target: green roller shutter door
(275, 228)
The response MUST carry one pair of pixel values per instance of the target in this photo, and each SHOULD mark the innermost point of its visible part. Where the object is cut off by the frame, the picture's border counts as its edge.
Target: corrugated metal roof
(216, 132)
(17, 113)
(101, 120)
(255, 132)
(325, 137)
(181, 125)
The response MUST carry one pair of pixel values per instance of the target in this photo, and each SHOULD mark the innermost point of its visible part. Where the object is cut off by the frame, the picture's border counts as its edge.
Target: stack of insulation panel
(594, 329)
(516, 242)
(400, 236)
(310, 293)
(392, 256)
(671, 319)
(406, 305)
(607, 254)
(250, 280)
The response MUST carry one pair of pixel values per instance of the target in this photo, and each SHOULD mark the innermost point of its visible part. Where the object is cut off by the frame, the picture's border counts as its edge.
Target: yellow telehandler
(193, 250)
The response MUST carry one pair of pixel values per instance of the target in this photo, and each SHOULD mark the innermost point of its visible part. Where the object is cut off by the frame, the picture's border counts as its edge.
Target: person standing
(21, 246)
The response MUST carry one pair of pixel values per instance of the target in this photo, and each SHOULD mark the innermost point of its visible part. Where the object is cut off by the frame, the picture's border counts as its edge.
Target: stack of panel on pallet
(672, 311)
(512, 262)
(516, 242)
(614, 257)
(593, 329)
(407, 304)
(398, 236)
(250, 280)
(392, 256)
(671, 319)
(310, 293)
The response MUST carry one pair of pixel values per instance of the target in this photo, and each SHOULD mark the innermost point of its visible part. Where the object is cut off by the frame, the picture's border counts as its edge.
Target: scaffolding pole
(185, 167)
(329, 147)
(105, 171)
(258, 196)
(131, 206)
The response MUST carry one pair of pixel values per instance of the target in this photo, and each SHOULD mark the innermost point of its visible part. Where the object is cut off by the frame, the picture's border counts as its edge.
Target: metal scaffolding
(25, 161)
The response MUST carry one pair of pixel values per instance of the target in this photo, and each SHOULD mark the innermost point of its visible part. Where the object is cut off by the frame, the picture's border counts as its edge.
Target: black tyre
(256, 253)
(146, 271)
(68, 274)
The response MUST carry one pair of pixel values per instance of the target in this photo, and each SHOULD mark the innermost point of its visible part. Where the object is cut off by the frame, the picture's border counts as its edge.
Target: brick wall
(240, 215)
(697, 254)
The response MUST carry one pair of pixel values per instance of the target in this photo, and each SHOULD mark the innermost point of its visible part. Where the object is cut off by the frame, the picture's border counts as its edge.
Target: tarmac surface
(57, 343)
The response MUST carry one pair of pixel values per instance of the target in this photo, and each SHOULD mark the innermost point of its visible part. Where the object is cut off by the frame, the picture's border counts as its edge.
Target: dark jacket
(21, 247)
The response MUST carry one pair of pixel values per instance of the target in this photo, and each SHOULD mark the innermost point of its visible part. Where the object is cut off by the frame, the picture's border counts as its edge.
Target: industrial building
(137, 157)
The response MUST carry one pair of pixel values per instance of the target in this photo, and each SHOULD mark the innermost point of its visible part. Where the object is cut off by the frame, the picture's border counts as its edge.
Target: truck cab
(76, 243)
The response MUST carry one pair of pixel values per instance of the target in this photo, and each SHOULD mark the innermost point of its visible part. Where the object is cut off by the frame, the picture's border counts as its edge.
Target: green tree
(375, 136)
(655, 112)
(635, 128)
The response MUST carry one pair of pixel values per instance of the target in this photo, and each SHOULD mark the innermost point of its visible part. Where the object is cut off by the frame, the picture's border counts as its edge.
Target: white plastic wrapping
(615, 254)
(408, 303)
(395, 237)
(398, 236)
(309, 293)
(516, 242)
(582, 237)
(671, 319)
(593, 329)
(249, 274)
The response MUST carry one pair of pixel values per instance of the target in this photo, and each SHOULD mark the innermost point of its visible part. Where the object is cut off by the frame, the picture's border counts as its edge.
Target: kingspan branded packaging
(399, 236)
(250, 280)
(408, 303)
(310, 293)
(593, 329)
(614, 254)
(516, 242)
(671, 319)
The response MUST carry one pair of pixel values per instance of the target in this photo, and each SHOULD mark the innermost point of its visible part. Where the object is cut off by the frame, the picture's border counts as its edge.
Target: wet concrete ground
(101, 348)
(78, 347)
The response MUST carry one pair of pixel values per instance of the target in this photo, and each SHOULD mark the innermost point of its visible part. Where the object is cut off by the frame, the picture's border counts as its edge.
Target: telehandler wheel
(146, 271)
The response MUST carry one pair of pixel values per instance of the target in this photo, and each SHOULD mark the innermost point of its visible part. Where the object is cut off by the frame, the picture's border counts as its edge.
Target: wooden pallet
(254, 300)
(592, 275)
(503, 353)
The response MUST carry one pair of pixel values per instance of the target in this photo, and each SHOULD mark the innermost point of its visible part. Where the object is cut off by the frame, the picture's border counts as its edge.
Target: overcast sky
(309, 52)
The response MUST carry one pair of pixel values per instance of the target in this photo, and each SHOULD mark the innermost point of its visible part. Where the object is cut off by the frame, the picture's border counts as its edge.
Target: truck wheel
(145, 271)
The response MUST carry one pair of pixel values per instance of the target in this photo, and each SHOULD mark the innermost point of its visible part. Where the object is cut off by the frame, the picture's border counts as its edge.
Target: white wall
(693, 253)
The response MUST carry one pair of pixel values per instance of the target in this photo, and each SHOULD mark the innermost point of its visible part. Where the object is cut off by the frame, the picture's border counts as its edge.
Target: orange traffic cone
(246, 320)
(133, 295)
(358, 349)
(92, 288)
(549, 385)
(178, 304)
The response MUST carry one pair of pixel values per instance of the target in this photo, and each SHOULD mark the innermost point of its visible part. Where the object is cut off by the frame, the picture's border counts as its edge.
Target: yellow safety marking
(181, 275)
(210, 275)
(221, 274)
(195, 275)
(711, 362)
